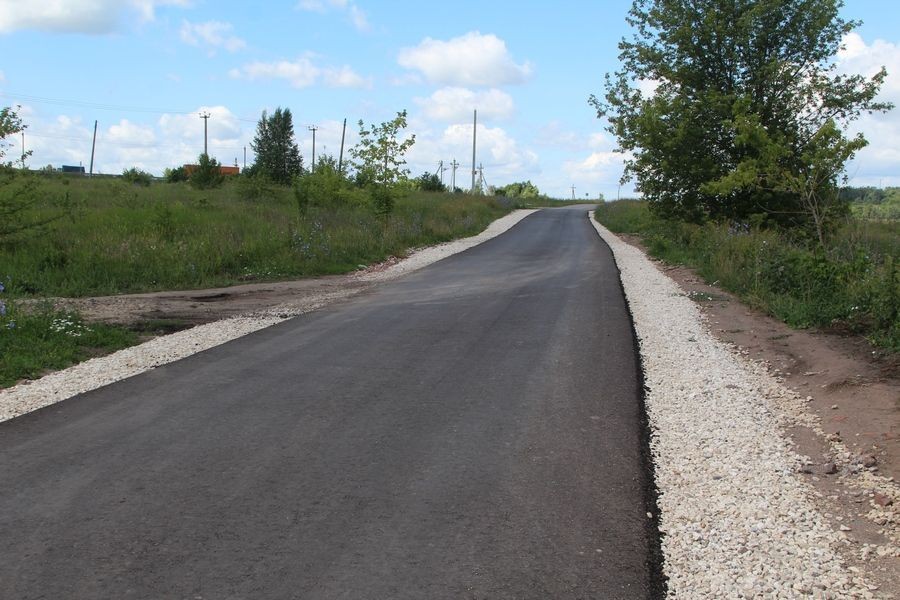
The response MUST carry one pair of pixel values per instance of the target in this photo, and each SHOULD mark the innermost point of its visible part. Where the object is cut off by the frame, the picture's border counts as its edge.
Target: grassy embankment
(115, 237)
(854, 286)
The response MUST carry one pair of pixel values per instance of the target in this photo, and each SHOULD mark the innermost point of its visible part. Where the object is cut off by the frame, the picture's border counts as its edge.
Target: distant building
(72, 169)
(224, 170)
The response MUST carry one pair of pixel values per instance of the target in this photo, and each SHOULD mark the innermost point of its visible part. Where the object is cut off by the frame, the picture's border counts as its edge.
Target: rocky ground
(776, 449)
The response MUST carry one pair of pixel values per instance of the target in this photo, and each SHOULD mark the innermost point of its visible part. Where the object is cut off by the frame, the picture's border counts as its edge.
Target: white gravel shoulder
(737, 521)
(98, 372)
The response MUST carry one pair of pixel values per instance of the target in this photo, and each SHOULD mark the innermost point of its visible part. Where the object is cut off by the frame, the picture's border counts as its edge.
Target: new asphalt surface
(472, 430)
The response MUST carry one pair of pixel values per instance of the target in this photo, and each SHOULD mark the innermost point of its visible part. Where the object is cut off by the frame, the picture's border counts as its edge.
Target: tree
(379, 155)
(10, 125)
(430, 182)
(207, 175)
(747, 101)
(277, 154)
(18, 188)
(521, 189)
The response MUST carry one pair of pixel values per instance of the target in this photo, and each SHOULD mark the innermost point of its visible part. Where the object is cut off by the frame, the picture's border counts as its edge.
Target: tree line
(746, 122)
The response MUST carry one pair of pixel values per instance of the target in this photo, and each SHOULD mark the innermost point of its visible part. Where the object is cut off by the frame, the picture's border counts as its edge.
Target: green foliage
(38, 339)
(379, 155)
(176, 175)
(254, 186)
(171, 236)
(748, 111)
(429, 182)
(207, 175)
(326, 187)
(521, 189)
(10, 125)
(137, 176)
(383, 199)
(277, 154)
(855, 284)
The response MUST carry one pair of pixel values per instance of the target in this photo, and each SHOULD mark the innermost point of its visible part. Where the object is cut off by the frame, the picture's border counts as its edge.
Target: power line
(95, 105)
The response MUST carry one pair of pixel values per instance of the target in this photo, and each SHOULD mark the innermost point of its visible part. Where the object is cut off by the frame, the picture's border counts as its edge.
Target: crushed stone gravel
(736, 519)
(98, 372)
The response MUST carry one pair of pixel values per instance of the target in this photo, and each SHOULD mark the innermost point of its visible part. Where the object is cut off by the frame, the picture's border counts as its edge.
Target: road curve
(472, 430)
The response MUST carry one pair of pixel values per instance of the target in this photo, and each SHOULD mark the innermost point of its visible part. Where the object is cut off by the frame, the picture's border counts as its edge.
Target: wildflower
(2, 308)
(11, 325)
(2, 288)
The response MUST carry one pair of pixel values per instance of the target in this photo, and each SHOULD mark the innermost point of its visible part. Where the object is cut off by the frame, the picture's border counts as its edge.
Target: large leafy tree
(748, 108)
(277, 154)
(379, 155)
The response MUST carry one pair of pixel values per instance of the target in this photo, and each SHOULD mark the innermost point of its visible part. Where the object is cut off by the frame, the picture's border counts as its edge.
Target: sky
(146, 70)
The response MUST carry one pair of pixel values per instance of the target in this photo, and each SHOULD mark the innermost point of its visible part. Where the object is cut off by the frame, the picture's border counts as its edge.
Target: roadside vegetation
(854, 286)
(66, 236)
(734, 116)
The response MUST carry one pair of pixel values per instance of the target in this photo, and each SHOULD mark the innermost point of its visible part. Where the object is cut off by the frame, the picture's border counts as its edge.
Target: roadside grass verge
(36, 341)
(853, 286)
(118, 237)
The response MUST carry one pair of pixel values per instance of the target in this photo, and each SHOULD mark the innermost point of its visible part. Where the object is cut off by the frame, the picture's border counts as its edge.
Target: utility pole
(23, 149)
(474, 135)
(341, 156)
(205, 117)
(441, 169)
(454, 165)
(313, 128)
(93, 147)
(573, 192)
(245, 158)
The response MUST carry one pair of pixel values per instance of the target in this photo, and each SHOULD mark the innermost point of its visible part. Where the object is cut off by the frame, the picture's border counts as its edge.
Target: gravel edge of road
(98, 372)
(736, 521)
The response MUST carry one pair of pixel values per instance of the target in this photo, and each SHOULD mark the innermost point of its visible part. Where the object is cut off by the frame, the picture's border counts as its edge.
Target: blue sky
(145, 69)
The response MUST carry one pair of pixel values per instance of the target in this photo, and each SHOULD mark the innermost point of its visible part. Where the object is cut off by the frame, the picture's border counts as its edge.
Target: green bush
(137, 176)
(254, 186)
(207, 175)
(855, 284)
(176, 175)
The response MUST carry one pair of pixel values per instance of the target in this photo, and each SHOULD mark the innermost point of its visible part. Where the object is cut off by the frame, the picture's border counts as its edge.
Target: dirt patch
(172, 311)
(853, 390)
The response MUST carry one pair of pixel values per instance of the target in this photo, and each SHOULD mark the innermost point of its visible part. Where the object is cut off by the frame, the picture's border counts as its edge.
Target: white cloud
(344, 77)
(354, 13)
(301, 73)
(600, 167)
(469, 60)
(879, 163)
(457, 104)
(173, 140)
(92, 17)
(212, 34)
(127, 133)
(503, 158)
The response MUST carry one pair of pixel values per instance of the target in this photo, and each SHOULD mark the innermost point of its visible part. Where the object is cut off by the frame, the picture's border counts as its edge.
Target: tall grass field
(853, 285)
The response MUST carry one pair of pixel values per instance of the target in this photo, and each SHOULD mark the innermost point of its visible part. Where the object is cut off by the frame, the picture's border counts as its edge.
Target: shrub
(137, 176)
(254, 186)
(176, 175)
(207, 175)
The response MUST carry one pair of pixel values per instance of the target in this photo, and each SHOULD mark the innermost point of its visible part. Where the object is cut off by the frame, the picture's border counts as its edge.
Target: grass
(854, 286)
(108, 236)
(37, 341)
(117, 237)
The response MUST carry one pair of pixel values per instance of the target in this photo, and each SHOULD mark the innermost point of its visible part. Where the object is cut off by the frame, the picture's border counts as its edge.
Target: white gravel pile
(737, 522)
(97, 372)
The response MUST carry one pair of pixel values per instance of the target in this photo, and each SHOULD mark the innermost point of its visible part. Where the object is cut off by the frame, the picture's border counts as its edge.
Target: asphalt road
(469, 431)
